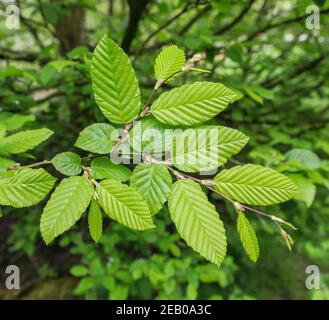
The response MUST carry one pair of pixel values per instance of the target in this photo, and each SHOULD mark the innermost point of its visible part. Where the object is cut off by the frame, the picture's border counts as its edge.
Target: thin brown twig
(162, 27)
(36, 164)
(209, 185)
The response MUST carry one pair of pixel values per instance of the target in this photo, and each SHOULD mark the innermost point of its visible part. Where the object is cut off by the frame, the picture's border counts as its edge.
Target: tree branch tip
(239, 207)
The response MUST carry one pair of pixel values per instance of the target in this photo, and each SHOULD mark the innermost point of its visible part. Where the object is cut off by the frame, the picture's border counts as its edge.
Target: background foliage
(261, 48)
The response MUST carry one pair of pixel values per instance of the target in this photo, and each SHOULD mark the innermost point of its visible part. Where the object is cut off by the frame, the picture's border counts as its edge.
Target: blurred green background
(263, 49)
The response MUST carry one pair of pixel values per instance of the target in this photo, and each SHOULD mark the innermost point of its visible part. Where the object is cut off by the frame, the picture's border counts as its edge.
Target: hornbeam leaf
(151, 135)
(304, 158)
(97, 138)
(197, 220)
(23, 141)
(5, 163)
(104, 168)
(169, 62)
(3, 129)
(114, 82)
(13, 121)
(25, 187)
(192, 103)
(95, 221)
(124, 204)
(206, 148)
(153, 182)
(254, 184)
(68, 163)
(306, 188)
(248, 236)
(65, 207)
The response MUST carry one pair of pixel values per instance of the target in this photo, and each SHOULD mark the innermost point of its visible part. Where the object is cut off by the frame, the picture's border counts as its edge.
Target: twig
(209, 185)
(236, 20)
(37, 164)
(163, 26)
(282, 23)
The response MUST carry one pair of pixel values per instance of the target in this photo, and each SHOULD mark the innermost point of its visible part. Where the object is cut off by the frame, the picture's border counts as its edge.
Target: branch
(45, 22)
(50, 96)
(209, 185)
(283, 23)
(30, 22)
(269, 84)
(189, 5)
(32, 30)
(236, 20)
(37, 164)
(194, 19)
(143, 113)
(162, 27)
(136, 9)
(17, 56)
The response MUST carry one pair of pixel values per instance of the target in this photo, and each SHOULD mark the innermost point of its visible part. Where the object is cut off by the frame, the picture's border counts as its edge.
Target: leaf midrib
(213, 244)
(129, 209)
(253, 185)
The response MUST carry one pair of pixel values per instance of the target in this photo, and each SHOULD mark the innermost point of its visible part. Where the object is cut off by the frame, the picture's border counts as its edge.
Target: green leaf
(169, 61)
(2, 130)
(206, 148)
(11, 71)
(52, 12)
(248, 236)
(47, 75)
(254, 184)
(197, 221)
(120, 292)
(95, 221)
(253, 95)
(13, 121)
(25, 187)
(26, 155)
(192, 103)
(97, 138)
(235, 53)
(150, 135)
(200, 70)
(124, 204)
(305, 158)
(153, 182)
(5, 164)
(23, 141)
(59, 65)
(114, 82)
(306, 189)
(68, 163)
(78, 52)
(79, 271)
(264, 93)
(85, 285)
(65, 207)
(104, 168)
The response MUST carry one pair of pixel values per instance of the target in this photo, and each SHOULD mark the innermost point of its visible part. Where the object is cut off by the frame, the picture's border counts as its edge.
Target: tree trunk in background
(111, 7)
(70, 29)
(136, 9)
(70, 34)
